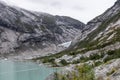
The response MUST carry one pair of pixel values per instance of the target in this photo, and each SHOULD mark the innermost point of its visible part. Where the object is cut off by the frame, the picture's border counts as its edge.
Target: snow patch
(66, 44)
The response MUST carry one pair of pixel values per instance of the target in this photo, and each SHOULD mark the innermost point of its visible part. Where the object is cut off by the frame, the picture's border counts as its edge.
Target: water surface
(13, 70)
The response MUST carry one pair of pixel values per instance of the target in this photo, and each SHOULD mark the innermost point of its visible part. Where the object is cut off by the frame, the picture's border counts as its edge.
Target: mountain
(98, 45)
(31, 34)
(99, 23)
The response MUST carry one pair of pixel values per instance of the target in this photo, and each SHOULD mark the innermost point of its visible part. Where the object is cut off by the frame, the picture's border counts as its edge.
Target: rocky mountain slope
(34, 33)
(98, 46)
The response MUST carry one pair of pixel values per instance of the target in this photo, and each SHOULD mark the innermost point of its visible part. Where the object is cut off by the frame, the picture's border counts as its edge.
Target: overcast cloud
(83, 10)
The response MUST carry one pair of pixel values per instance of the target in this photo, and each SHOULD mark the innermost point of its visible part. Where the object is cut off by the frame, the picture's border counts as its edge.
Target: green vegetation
(91, 36)
(111, 72)
(97, 63)
(64, 62)
(82, 72)
(91, 57)
(112, 54)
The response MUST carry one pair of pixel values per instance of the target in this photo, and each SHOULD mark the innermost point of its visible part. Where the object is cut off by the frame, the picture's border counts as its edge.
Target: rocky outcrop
(34, 33)
(109, 71)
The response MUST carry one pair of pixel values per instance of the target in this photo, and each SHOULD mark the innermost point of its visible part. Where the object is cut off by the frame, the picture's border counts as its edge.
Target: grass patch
(82, 72)
(112, 54)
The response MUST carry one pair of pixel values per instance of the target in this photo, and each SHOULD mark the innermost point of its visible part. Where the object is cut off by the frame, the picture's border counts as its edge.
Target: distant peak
(7, 2)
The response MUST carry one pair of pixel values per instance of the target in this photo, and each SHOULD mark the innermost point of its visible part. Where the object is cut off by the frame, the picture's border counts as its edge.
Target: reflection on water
(10, 70)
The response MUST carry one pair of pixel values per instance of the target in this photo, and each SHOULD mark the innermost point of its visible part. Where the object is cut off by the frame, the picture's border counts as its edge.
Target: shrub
(63, 62)
(111, 72)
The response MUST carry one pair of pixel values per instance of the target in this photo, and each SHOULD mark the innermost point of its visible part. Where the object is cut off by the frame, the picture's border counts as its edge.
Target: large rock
(109, 71)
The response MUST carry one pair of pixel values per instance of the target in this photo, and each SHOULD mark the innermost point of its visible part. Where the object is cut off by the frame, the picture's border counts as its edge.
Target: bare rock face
(94, 24)
(109, 71)
(34, 33)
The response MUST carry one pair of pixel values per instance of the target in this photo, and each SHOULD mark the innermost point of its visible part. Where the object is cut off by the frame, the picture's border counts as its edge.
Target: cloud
(83, 10)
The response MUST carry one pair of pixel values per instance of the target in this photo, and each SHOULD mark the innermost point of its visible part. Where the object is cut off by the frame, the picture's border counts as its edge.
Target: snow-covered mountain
(34, 33)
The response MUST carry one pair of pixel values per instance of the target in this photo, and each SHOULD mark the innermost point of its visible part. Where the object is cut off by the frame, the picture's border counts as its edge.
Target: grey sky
(83, 10)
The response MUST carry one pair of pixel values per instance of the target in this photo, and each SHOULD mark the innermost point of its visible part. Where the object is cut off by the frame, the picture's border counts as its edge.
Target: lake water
(10, 70)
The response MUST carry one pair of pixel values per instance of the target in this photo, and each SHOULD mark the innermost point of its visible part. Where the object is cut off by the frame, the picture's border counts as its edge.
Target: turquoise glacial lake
(14, 70)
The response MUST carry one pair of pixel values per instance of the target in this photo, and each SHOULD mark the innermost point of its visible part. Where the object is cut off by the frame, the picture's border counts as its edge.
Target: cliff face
(34, 33)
